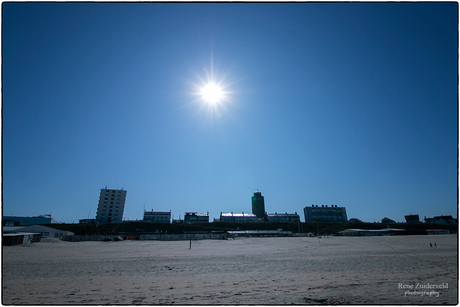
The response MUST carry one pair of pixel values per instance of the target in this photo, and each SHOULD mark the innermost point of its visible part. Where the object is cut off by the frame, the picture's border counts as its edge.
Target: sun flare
(212, 93)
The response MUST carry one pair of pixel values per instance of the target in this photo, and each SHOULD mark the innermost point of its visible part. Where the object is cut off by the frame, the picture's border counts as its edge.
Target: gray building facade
(157, 217)
(238, 217)
(283, 217)
(325, 214)
(195, 217)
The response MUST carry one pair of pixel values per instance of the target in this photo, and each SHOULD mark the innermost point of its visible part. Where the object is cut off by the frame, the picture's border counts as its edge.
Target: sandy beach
(261, 271)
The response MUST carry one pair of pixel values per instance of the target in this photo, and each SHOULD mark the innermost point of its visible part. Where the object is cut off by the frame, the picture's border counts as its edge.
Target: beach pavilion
(371, 232)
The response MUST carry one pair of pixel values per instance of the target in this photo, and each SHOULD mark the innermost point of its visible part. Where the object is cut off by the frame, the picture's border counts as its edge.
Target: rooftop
(242, 214)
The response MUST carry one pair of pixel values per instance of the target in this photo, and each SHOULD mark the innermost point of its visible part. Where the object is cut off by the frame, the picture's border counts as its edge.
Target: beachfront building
(283, 217)
(87, 221)
(325, 214)
(10, 239)
(258, 205)
(44, 231)
(194, 217)
(238, 217)
(443, 219)
(26, 220)
(259, 233)
(447, 219)
(412, 218)
(437, 232)
(386, 220)
(372, 232)
(111, 206)
(157, 217)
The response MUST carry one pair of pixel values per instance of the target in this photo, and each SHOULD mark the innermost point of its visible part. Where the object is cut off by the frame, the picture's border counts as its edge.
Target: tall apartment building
(258, 205)
(325, 214)
(111, 206)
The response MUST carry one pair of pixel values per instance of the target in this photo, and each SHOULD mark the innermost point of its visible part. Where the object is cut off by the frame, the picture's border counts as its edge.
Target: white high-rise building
(111, 206)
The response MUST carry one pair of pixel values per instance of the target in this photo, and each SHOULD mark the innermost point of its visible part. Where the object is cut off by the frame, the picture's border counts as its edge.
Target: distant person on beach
(431, 245)
(435, 245)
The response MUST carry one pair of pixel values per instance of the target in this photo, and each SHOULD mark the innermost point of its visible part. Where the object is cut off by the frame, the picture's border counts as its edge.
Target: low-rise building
(259, 233)
(371, 232)
(44, 231)
(325, 214)
(157, 217)
(412, 218)
(238, 217)
(437, 232)
(386, 220)
(10, 239)
(26, 220)
(442, 219)
(283, 217)
(430, 220)
(87, 221)
(194, 217)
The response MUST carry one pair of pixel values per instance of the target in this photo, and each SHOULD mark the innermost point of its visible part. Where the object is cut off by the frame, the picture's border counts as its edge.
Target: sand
(261, 271)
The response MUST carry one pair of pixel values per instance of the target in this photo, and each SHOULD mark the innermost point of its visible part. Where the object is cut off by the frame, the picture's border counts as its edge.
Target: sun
(212, 93)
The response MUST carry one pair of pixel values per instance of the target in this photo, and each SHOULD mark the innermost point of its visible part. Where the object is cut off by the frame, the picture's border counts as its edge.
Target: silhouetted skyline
(350, 104)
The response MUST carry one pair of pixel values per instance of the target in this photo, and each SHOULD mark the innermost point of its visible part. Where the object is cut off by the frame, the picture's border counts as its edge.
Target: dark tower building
(258, 205)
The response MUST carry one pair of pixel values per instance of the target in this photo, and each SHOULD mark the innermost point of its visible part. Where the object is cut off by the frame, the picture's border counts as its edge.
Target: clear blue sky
(351, 104)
